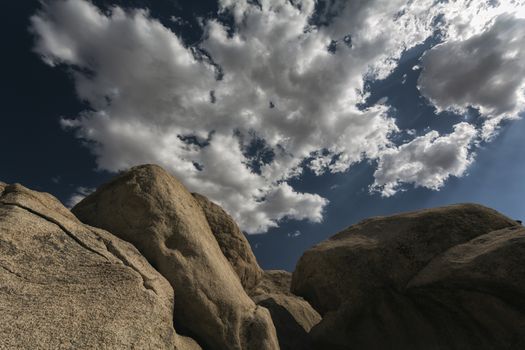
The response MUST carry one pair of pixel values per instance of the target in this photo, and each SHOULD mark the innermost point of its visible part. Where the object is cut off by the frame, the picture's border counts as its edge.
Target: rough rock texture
(65, 285)
(292, 316)
(442, 278)
(232, 242)
(274, 281)
(151, 209)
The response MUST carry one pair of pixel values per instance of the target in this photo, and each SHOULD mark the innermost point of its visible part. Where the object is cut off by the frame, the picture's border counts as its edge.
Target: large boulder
(232, 242)
(432, 279)
(66, 285)
(153, 210)
(292, 316)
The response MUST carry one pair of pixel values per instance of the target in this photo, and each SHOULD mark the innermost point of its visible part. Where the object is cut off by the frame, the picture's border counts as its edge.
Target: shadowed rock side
(66, 285)
(292, 316)
(151, 209)
(232, 242)
(441, 278)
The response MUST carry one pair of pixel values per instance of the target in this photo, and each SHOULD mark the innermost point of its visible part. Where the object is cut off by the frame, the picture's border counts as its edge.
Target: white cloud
(427, 161)
(79, 194)
(149, 92)
(485, 71)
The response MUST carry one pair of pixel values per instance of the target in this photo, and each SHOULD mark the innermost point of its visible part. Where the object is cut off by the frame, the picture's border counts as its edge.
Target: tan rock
(292, 316)
(66, 285)
(232, 242)
(274, 282)
(151, 209)
(432, 279)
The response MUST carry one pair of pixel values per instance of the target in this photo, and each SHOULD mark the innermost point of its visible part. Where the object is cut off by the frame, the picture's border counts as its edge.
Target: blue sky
(300, 118)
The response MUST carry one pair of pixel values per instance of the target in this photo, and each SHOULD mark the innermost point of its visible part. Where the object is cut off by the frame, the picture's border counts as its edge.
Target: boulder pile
(142, 263)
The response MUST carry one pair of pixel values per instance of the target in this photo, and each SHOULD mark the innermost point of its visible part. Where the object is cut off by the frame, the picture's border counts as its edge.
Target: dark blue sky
(38, 153)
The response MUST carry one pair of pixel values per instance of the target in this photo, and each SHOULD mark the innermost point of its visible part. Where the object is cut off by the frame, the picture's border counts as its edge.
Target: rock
(66, 285)
(232, 242)
(153, 210)
(491, 258)
(432, 279)
(292, 316)
(386, 251)
(488, 272)
(274, 282)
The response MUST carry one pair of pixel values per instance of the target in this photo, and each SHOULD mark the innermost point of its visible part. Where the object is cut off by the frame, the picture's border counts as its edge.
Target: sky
(299, 117)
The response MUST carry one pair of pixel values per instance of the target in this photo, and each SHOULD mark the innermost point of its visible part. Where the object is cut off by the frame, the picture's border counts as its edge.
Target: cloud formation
(485, 71)
(250, 107)
(427, 161)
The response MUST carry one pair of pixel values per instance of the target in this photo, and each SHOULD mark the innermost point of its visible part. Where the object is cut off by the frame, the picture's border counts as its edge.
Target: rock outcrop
(232, 242)
(444, 278)
(292, 316)
(151, 209)
(66, 285)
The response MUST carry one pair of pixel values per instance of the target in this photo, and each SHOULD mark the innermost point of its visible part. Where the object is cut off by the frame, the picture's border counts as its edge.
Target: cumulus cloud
(248, 108)
(485, 71)
(427, 161)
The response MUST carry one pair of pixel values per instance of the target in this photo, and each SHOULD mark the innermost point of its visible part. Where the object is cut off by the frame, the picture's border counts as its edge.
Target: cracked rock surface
(66, 285)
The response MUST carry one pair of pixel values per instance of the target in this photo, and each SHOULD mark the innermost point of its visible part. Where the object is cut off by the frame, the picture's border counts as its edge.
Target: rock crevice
(57, 223)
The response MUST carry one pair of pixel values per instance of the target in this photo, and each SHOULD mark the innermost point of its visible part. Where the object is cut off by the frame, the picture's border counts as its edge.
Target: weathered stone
(274, 282)
(386, 251)
(432, 279)
(232, 242)
(292, 316)
(151, 209)
(66, 285)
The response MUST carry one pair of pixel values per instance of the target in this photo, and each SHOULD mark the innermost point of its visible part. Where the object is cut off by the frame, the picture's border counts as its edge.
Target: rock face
(444, 278)
(232, 242)
(66, 285)
(274, 282)
(292, 315)
(151, 209)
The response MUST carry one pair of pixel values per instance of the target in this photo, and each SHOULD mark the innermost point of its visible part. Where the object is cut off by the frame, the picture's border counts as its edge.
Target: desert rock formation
(232, 242)
(443, 278)
(292, 316)
(66, 285)
(154, 211)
